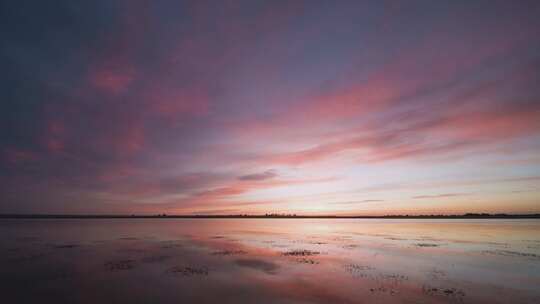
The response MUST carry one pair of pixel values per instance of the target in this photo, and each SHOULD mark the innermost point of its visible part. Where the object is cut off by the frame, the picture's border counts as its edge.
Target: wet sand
(269, 261)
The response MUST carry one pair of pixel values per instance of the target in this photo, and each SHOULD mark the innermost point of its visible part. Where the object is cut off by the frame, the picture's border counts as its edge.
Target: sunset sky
(308, 107)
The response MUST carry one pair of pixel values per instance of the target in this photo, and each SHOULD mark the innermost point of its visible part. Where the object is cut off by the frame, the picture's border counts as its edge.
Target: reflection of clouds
(262, 265)
(206, 256)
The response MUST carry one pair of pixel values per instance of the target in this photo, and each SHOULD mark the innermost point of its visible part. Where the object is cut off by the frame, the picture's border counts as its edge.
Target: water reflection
(270, 261)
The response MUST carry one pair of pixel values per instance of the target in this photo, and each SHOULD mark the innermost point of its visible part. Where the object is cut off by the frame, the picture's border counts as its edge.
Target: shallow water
(269, 261)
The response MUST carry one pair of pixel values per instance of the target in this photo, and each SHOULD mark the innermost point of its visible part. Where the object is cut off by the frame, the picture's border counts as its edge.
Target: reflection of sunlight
(321, 227)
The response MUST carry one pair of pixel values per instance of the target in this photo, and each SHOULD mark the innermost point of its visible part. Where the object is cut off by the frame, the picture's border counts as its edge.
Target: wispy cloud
(444, 195)
(358, 202)
(268, 174)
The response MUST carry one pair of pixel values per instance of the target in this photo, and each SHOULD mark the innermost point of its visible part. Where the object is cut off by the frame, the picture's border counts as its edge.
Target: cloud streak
(268, 174)
(444, 195)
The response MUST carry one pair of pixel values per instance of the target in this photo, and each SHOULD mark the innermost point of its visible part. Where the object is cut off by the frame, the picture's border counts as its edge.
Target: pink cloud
(55, 145)
(491, 125)
(54, 137)
(112, 80)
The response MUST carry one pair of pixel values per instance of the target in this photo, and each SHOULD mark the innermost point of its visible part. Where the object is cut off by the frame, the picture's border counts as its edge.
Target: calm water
(270, 261)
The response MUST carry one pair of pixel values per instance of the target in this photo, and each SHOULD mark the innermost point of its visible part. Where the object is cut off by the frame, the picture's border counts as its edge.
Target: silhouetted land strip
(270, 216)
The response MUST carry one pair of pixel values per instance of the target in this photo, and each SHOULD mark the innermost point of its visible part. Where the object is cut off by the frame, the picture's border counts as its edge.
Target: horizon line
(267, 216)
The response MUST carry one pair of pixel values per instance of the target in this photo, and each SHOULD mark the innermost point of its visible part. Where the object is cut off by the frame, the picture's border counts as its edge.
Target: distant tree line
(276, 215)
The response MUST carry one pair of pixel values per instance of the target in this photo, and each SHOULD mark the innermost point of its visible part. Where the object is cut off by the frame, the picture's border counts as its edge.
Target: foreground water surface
(269, 261)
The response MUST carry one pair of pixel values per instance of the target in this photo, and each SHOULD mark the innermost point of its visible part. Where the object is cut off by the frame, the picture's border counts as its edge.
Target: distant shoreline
(278, 216)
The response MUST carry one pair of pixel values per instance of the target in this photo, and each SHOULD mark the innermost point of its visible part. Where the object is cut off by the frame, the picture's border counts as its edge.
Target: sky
(254, 107)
